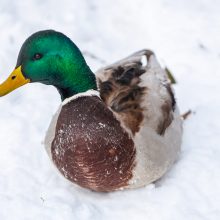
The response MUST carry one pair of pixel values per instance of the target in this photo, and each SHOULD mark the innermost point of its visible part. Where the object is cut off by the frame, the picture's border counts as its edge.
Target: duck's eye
(37, 56)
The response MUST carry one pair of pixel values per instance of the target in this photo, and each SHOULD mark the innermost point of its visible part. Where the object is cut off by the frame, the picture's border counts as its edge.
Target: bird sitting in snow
(120, 129)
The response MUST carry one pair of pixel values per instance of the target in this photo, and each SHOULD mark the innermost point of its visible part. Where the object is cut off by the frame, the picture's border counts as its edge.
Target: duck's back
(137, 88)
(139, 93)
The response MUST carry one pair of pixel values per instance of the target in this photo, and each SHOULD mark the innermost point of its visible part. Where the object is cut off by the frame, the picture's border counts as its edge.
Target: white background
(185, 36)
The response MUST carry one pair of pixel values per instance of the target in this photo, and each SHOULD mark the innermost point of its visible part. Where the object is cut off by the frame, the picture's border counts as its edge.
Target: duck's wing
(139, 92)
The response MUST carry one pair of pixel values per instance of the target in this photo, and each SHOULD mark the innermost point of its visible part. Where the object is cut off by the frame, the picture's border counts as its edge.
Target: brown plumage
(94, 151)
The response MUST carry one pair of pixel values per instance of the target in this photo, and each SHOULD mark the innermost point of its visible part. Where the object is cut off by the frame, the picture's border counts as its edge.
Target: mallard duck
(118, 129)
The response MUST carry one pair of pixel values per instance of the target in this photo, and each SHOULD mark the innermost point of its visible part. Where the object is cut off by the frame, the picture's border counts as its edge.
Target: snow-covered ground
(185, 35)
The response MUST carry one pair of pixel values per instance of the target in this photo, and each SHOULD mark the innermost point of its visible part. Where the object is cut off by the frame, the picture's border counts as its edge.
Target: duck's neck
(86, 80)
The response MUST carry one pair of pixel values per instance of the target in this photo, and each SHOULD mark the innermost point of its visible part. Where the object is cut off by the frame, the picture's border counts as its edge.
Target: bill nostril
(13, 77)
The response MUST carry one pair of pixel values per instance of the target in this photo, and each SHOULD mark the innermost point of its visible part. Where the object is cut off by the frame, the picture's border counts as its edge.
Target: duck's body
(121, 129)
(127, 135)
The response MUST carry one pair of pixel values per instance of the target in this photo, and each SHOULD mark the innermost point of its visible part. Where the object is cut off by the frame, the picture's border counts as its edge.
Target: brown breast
(90, 147)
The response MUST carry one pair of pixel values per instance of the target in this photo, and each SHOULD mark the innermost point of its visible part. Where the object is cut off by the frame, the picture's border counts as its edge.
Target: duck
(119, 128)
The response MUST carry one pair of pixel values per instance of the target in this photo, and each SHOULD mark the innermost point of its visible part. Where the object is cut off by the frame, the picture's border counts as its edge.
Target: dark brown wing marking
(123, 95)
(120, 89)
(167, 109)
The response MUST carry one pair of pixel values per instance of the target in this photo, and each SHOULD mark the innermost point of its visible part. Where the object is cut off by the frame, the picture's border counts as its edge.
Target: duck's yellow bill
(14, 81)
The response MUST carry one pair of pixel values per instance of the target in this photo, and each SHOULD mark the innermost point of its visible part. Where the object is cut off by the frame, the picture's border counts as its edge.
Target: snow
(185, 35)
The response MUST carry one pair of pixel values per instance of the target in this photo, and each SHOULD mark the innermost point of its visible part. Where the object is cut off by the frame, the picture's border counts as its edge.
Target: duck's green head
(51, 58)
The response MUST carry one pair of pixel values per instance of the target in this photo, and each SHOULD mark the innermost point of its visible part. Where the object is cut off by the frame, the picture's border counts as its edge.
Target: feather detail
(137, 88)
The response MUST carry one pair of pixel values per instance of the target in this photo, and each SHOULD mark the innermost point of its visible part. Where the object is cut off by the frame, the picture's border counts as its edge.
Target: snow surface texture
(185, 33)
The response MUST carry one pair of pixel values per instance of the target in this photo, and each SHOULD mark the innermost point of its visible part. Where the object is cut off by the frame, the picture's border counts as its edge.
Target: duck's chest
(89, 147)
